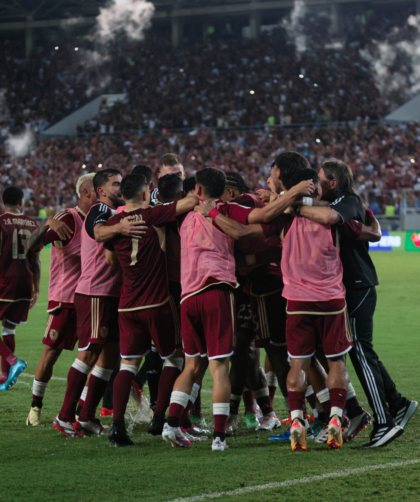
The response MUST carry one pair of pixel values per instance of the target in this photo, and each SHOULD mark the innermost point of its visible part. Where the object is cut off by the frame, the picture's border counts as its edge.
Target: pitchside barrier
(397, 241)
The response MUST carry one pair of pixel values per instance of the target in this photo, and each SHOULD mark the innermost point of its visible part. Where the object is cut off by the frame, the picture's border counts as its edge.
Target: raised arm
(279, 206)
(59, 227)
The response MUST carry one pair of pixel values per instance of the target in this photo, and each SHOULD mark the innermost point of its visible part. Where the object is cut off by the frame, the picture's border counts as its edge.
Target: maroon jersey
(15, 260)
(145, 280)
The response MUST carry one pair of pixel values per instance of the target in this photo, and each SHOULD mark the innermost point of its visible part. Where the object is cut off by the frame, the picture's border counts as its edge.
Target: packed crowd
(383, 159)
(199, 89)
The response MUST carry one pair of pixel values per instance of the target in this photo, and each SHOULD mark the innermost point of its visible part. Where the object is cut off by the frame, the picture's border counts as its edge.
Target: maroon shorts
(208, 323)
(14, 312)
(139, 328)
(270, 313)
(61, 330)
(246, 322)
(97, 320)
(328, 326)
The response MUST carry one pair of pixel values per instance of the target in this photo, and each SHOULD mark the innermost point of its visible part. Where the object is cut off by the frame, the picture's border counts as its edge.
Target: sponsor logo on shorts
(103, 331)
(53, 334)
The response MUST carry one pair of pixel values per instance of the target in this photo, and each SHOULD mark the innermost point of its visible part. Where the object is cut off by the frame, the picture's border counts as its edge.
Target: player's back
(15, 259)
(145, 280)
(311, 263)
(65, 267)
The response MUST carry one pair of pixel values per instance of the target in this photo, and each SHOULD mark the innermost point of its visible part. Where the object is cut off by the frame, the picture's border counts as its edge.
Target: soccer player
(207, 304)
(312, 274)
(96, 302)
(63, 232)
(391, 411)
(147, 310)
(20, 272)
(245, 367)
(170, 163)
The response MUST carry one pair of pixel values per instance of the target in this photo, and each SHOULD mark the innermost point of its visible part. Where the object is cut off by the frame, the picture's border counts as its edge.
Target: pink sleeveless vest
(311, 265)
(98, 278)
(65, 265)
(206, 255)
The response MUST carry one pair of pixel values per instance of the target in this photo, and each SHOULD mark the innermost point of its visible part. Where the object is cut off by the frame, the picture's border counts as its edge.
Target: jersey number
(134, 251)
(24, 236)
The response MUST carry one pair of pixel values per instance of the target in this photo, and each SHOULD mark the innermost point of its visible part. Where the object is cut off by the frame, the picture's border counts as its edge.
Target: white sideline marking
(291, 482)
(33, 376)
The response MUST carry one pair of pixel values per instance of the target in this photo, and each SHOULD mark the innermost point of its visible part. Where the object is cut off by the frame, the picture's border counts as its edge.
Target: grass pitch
(39, 464)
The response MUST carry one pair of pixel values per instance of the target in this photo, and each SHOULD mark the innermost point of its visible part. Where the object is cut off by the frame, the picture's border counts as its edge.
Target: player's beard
(116, 200)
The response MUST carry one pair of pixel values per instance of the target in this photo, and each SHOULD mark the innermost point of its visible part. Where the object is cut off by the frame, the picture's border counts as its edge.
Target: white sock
(194, 392)
(175, 362)
(296, 414)
(180, 398)
(350, 391)
(261, 392)
(271, 379)
(309, 391)
(81, 366)
(336, 411)
(84, 393)
(8, 331)
(124, 367)
(323, 396)
(39, 388)
(221, 409)
(105, 374)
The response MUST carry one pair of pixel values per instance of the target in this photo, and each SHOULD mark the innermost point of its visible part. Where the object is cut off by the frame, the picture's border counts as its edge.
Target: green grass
(40, 464)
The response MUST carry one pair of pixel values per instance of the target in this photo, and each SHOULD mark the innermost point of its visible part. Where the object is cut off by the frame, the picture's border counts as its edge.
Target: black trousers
(379, 387)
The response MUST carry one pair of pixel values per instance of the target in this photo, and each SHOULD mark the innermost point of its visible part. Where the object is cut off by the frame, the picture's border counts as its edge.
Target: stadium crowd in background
(383, 159)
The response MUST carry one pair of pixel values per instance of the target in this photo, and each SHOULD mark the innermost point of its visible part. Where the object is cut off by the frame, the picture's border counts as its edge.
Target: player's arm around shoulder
(128, 227)
(186, 204)
(229, 226)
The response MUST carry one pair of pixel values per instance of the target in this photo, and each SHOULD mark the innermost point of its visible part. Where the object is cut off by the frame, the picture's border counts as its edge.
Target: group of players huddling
(203, 273)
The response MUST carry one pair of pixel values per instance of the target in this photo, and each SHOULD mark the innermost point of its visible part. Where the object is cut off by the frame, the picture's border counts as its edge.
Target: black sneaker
(119, 437)
(156, 426)
(404, 412)
(381, 435)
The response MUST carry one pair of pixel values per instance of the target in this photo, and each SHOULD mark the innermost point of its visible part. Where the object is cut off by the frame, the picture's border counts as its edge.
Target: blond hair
(83, 179)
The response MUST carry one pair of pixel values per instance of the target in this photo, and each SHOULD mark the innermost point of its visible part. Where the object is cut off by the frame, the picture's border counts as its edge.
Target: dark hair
(133, 185)
(235, 180)
(335, 169)
(170, 159)
(143, 170)
(12, 196)
(102, 177)
(189, 184)
(212, 180)
(290, 161)
(169, 186)
(293, 178)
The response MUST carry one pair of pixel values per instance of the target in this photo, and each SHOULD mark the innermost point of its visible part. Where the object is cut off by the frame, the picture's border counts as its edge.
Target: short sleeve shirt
(145, 281)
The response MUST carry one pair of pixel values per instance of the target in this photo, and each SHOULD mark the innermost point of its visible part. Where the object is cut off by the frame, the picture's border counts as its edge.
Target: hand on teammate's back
(205, 208)
(129, 227)
(60, 228)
